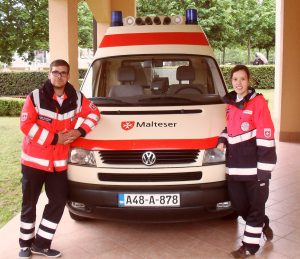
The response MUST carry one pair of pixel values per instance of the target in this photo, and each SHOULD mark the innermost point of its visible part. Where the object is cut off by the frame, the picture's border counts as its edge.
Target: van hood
(125, 128)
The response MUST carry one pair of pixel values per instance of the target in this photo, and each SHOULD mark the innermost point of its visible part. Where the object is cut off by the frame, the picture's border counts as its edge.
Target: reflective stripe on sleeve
(25, 225)
(45, 234)
(93, 117)
(265, 142)
(242, 138)
(89, 123)
(43, 136)
(39, 161)
(48, 224)
(241, 171)
(33, 130)
(265, 166)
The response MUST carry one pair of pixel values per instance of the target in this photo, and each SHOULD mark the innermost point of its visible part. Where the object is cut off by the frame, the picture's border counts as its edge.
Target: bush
(22, 83)
(11, 106)
(262, 77)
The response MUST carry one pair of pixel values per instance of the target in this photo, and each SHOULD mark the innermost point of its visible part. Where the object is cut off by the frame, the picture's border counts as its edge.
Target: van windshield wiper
(108, 100)
(166, 98)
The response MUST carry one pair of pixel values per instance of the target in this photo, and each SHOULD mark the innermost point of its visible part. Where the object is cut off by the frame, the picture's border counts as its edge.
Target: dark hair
(240, 67)
(59, 62)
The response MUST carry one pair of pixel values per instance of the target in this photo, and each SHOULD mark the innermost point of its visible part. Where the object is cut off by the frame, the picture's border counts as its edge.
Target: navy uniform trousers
(56, 191)
(248, 198)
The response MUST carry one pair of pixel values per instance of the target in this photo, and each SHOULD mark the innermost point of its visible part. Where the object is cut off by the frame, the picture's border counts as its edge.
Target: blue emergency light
(116, 18)
(191, 16)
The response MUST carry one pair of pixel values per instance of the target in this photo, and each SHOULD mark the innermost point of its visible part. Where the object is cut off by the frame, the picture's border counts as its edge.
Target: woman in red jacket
(48, 121)
(250, 157)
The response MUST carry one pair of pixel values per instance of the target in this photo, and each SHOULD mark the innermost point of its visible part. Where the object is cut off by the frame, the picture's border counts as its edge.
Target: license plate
(149, 200)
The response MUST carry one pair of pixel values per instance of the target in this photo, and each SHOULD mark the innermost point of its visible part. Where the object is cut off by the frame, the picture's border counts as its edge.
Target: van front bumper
(196, 202)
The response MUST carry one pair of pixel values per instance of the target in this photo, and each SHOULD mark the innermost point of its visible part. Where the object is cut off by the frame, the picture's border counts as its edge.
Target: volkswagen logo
(148, 158)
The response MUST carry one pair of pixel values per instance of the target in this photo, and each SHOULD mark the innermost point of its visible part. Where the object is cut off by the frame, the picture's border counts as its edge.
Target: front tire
(76, 217)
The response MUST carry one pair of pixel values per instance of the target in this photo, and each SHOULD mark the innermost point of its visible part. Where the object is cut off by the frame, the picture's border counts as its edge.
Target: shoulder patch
(24, 116)
(93, 106)
(267, 132)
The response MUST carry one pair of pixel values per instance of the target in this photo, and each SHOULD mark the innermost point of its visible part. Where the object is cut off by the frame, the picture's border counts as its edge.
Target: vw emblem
(149, 158)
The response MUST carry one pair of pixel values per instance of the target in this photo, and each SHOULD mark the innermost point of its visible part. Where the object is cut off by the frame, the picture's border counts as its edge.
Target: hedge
(262, 77)
(11, 106)
(22, 83)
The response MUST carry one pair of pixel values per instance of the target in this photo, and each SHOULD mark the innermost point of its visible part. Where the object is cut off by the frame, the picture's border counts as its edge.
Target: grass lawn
(10, 175)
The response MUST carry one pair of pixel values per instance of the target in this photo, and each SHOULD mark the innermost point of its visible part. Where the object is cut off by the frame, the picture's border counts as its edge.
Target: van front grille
(156, 177)
(134, 157)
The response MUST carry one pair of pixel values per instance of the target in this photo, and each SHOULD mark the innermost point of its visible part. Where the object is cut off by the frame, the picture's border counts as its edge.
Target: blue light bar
(116, 18)
(191, 16)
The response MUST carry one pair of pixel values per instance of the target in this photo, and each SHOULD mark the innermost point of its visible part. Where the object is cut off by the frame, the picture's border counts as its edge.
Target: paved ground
(206, 239)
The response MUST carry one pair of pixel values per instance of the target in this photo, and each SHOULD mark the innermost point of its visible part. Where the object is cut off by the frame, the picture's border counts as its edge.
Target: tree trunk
(223, 55)
(249, 50)
(267, 52)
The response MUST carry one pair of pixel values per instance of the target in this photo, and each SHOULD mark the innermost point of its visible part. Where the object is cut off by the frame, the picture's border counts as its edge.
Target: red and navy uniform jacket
(41, 120)
(249, 138)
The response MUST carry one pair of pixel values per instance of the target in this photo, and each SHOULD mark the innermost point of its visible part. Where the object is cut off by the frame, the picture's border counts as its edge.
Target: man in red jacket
(48, 120)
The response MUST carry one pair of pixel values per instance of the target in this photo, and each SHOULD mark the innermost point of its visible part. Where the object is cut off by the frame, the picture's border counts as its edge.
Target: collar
(69, 92)
(230, 98)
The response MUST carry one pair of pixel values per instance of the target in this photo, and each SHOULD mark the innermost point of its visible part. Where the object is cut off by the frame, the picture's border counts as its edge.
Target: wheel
(76, 217)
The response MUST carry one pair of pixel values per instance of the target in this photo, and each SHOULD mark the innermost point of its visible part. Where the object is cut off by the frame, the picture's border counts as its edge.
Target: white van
(152, 157)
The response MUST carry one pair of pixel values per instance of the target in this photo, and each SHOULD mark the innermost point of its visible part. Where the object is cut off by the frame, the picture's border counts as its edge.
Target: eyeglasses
(57, 73)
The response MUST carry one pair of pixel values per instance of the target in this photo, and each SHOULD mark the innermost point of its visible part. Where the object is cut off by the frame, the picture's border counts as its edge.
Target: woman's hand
(221, 147)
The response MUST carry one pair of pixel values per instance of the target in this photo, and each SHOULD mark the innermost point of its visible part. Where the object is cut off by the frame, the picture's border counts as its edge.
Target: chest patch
(44, 118)
(245, 126)
(248, 112)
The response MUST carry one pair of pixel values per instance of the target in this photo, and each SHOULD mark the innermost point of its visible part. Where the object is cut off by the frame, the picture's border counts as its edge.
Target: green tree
(215, 17)
(24, 28)
(265, 37)
(33, 31)
(247, 16)
(85, 26)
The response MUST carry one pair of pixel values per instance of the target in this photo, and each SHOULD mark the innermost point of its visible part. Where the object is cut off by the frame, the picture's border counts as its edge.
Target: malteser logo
(127, 125)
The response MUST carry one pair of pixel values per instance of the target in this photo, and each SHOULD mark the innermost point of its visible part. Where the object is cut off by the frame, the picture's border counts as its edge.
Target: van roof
(154, 39)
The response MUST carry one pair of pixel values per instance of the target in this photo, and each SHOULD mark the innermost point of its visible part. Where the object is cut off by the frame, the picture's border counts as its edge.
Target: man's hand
(68, 136)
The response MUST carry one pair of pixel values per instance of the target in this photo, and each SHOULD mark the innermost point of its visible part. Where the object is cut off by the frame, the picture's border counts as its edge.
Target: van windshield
(152, 80)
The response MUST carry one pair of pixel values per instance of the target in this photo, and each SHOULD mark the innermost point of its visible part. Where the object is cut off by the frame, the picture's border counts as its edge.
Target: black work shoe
(45, 251)
(242, 252)
(25, 253)
(268, 233)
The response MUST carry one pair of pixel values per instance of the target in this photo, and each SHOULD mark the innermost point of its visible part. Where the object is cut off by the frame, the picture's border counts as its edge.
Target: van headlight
(82, 157)
(213, 156)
